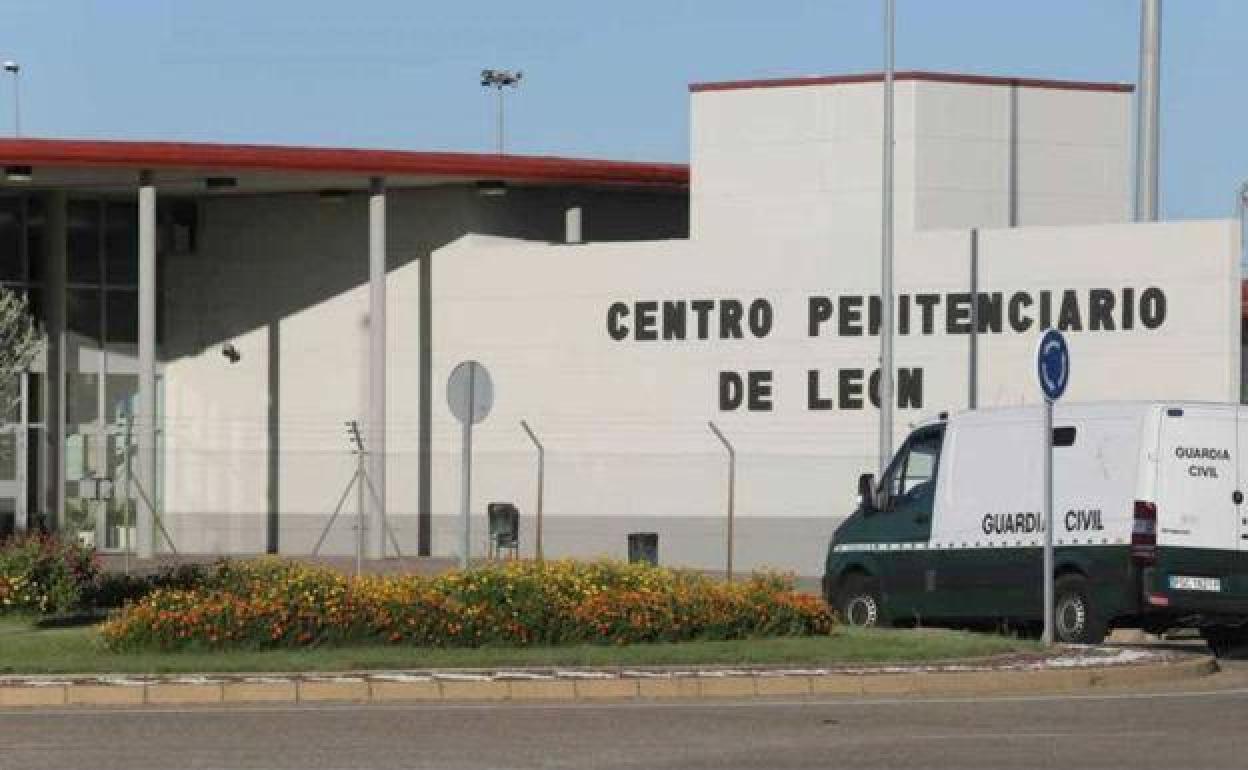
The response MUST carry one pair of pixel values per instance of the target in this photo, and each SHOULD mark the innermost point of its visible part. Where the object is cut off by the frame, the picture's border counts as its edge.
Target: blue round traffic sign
(1053, 364)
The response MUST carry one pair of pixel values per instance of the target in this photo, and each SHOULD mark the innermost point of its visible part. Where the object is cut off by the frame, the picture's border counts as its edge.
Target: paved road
(1203, 727)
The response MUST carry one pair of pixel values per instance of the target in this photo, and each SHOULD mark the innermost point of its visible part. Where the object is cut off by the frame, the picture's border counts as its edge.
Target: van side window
(1064, 436)
(912, 479)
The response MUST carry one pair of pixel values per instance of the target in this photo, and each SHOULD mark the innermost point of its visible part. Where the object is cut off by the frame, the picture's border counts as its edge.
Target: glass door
(101, 370)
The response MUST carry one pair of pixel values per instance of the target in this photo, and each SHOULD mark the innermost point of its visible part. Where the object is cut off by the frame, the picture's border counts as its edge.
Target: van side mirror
(866, 492)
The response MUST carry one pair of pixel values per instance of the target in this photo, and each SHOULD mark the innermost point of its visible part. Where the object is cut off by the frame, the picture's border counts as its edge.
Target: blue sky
(602, 79)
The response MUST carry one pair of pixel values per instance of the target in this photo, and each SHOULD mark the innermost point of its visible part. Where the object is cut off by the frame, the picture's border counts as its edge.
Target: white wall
(283, 279)
(784, 162)
(625, 421)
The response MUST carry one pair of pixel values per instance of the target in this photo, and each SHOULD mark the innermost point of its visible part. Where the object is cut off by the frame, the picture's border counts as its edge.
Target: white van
(1150, 523)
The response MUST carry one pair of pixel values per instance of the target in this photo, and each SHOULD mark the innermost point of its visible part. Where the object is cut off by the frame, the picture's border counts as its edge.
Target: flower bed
(276, 604)
(44, 574)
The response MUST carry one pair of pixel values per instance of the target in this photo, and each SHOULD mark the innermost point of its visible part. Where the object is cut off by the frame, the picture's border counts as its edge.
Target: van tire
(1223, 640)
(858, 603)
(1075, 618)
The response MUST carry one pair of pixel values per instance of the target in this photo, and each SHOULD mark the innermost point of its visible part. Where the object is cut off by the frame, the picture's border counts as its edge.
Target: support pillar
(145, 418)
(56, 244)
(376, 425)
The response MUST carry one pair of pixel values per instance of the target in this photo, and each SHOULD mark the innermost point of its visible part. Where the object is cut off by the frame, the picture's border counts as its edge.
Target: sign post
(1053, 371)
(470, 395)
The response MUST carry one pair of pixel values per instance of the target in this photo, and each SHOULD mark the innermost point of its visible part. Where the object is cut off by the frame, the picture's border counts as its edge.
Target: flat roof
(934, 77)
(417, 168)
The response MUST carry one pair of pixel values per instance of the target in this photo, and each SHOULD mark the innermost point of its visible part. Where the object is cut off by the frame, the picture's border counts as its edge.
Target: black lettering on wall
(731, 391)
(730, 314)
(958, 313)
(910, 388)
(1152, 307)
(820, 312)
(873, 388)
(647, 318)
(1100, 310)
(616, 328)
(674, 320)
(903, 315)
(849, 388)
(849, 321)
(1068, 317)
(1046, 310)
(927, 303)
(875, 311)
(1128, 309)
(760, 391)
(814, 401)
(989, 312)
(1019, 320)
(761, 317)
(702, 309)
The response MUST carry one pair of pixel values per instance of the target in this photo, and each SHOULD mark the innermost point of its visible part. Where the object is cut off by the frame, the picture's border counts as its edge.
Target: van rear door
(1237, 587)
(1198, 520)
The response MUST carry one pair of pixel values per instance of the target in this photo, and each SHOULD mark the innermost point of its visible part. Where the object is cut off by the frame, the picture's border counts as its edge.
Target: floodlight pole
(886, 248)
(1148, 113)
(498, 80)
(1241, 210)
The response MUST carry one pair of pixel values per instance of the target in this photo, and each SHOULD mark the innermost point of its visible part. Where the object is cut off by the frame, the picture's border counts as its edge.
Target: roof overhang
(106, 164)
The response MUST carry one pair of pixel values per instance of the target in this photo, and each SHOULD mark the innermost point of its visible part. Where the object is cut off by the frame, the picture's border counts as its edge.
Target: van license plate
(1184, 583)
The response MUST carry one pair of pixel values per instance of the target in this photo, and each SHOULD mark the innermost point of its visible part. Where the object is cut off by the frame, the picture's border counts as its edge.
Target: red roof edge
(243, 157)
(935, 77)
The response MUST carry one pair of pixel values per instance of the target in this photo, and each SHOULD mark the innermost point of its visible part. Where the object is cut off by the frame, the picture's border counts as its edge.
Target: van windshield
(911, 479)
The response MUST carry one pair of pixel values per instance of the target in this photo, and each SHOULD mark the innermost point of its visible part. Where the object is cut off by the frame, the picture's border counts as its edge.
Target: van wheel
(858, 604)
(1223, 641)
(1075, 620)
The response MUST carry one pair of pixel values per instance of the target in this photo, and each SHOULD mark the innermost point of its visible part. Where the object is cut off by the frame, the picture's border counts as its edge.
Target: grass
(26, 649)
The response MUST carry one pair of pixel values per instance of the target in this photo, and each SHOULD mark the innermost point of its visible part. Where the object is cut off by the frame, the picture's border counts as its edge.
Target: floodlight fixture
(15, 69)
(499, 80)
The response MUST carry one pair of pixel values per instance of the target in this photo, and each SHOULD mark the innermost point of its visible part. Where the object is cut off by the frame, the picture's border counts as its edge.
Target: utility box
(643, 547)
(504, 527)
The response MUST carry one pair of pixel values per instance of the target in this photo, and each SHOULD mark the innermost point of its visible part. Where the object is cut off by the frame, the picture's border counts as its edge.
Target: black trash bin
(504, 526)
(643, 547)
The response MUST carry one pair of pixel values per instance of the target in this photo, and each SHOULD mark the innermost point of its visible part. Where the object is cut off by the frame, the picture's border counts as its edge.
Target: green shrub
(271, 603)
(42, 573)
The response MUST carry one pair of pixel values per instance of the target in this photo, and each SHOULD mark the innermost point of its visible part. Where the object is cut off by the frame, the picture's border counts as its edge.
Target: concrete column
(572, 231)
(56, 245)
(376, 425)
(145, 417)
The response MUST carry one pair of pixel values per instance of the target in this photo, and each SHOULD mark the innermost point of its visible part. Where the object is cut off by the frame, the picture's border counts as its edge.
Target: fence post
(541, 482)
(732, 489)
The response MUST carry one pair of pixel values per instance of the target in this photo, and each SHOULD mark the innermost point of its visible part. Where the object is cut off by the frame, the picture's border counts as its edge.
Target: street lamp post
(498, 80)
(15, 70)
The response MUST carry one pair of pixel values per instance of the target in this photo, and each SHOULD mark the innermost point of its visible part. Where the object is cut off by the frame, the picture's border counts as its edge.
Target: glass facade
(100, 378)
(24, 448)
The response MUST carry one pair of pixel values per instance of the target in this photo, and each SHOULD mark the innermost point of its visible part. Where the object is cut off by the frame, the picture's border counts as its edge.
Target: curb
(570, 686)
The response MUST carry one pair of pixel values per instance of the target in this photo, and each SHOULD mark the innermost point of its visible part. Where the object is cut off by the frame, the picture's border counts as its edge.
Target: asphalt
(1198, 724)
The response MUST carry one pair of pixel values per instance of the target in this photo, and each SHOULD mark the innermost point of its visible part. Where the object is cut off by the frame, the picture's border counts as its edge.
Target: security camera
(231, 353)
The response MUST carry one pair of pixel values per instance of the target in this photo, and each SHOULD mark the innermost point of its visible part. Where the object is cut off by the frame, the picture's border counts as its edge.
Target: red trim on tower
(242, 157)
(933, 77)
